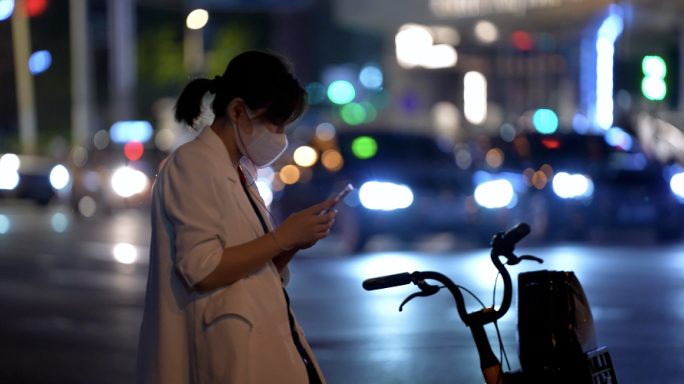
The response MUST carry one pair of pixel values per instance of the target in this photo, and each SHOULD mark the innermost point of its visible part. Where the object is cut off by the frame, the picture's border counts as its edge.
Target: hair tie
(213, 88)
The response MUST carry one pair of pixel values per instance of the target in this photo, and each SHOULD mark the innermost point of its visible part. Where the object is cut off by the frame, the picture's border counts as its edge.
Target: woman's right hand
(306, 226)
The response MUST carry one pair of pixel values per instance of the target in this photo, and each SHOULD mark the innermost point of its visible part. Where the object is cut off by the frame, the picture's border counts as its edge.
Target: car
(30, 177)
(405, 185)
(576, 185)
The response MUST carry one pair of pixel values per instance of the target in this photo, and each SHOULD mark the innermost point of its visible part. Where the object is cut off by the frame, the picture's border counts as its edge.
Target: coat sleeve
(192, 200)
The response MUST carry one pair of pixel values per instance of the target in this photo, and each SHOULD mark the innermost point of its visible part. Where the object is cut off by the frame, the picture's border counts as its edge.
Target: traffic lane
(636, 294)
(70, 312)
(73, 312)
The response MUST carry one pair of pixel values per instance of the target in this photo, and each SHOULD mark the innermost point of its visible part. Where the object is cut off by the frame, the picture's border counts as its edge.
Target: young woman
(216, 310)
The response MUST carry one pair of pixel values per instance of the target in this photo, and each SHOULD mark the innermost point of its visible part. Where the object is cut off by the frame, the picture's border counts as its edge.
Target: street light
(197, 19)
(193, 41)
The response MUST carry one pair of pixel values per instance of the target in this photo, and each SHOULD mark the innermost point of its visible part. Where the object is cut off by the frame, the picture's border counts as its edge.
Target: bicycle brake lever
(529, 257)
(426, 290)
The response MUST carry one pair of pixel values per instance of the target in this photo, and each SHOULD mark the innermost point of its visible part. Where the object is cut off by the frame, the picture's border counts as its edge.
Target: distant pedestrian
(216, 310)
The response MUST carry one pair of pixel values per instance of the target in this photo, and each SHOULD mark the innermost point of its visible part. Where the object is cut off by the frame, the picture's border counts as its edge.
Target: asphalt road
(70, 311)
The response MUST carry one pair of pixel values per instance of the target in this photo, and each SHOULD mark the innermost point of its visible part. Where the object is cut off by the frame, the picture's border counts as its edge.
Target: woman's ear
(236, 109)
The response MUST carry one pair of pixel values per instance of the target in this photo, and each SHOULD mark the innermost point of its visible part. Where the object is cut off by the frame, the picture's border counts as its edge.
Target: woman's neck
(224, 129)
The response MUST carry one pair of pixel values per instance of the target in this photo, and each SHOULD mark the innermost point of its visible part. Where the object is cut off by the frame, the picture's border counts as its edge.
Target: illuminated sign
(473, 8)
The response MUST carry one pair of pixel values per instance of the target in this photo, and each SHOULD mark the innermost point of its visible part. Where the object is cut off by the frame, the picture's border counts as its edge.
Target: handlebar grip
(515, 234)
(387, 281)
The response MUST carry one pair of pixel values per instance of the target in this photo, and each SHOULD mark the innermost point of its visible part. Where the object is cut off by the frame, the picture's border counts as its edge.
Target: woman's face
(258, 117)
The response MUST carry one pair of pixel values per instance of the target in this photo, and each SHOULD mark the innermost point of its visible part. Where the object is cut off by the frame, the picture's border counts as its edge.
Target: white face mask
(262, 147)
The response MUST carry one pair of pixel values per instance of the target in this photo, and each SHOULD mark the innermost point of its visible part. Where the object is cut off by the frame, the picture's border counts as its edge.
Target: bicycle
(594, 366)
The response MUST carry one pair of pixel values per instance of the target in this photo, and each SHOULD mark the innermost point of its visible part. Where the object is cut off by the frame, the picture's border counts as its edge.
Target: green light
(371, 113)
(654, 66)
(341, 92)
(653, 86)
(364, 147)
(353, 114)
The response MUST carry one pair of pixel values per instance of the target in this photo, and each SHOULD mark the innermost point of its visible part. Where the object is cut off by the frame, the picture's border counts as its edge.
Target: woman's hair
(262, 79)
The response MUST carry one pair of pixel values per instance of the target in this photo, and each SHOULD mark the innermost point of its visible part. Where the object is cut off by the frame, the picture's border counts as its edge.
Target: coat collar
(211, 139)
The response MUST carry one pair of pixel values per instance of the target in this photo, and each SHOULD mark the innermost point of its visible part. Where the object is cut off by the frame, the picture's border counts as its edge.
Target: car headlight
(569, 186)
(59, 177)
(127, 182)
(385, 196)
(494, 194)
(677, 184)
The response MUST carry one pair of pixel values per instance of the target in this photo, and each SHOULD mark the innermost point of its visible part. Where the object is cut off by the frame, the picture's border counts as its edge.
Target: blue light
(6, 8)
(125, 131)
(371, 77)
(545, 121)
(605, 51)
(616, 137)
(39, 62)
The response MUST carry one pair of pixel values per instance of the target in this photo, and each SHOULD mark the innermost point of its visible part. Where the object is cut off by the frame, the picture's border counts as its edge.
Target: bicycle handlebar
(387, 281)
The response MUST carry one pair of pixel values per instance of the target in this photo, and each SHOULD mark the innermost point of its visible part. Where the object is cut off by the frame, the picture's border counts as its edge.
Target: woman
(216, 310)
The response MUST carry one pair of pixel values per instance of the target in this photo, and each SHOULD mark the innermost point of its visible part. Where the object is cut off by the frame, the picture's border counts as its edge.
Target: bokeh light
(316, 92)
(197, 19)
(369, 109)
(677, 184)
(547, 170)
(486, 32)
(539, 180)
(125, 253)
(522, 40)
(475, 97)
(385, 196)
(341, 92)
(494, 158)
(545, 121)
(305, 156)
(4, 224)
(39, 62)
(507, 133)
(463, 158)
(528, 175)
(59, 176)
(101, 139)
(6, 8)
(289, 174)
(364, 147)
(332, 160)
(10, 161)
(325, 131)
(371, 77)
(79, 156)
(59, 222)
(127, 182)
(35, 7)
(87, 206)
(445, 118)
(125, 131)
(9, 178)
(494, 194)
(353, 114)
(164, 139)
(265, 191)
(654, 66)
(133, 150)
(616, 137)
(572, 186)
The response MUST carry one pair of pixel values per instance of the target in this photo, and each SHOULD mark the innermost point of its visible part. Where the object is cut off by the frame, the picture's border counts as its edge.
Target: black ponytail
(189, 105)
(262, 79)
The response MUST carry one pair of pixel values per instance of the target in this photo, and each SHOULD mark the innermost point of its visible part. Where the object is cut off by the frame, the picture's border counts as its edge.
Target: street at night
(72, 305)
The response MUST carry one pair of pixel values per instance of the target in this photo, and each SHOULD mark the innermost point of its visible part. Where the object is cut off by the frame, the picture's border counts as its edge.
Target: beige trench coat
(239, 334)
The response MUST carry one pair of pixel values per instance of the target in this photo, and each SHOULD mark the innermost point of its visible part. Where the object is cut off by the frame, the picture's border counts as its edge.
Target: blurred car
(106, 179)
(405, 185)
(29, 177)
(573, 185)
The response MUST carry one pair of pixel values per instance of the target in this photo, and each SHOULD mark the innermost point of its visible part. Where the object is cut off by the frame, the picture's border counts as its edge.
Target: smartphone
(340, 197)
